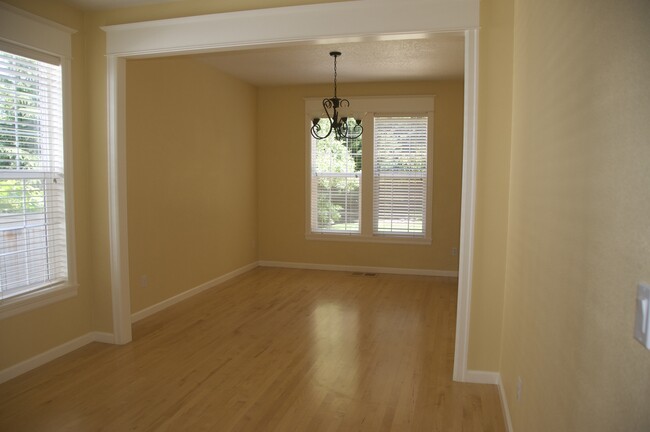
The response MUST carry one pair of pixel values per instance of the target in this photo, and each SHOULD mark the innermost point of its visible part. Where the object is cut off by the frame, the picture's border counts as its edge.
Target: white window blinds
(335, 185)
(33, 253)
(400, 176)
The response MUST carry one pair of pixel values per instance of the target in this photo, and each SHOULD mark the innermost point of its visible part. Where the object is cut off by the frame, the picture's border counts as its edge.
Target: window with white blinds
(335, 185)
(33, 252)
(400, 176)
(391, 201)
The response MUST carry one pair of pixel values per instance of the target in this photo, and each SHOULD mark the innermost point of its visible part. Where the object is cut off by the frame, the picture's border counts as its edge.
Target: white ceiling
(437, 56)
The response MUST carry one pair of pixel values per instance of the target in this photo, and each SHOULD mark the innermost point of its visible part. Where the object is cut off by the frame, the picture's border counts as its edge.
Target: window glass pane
(400, 175)
(336, 184)
(33, 250)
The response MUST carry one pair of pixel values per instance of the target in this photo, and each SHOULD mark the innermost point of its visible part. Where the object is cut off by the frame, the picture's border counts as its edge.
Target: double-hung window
(33, 231)
(335, 184)
(377, 187)
(400, 175)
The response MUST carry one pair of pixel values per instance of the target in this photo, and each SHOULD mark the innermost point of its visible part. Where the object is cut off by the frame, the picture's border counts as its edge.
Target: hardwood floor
(273, 350)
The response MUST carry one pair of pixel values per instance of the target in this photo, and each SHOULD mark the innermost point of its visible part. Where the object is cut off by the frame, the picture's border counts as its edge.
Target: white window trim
(23, 29)
(370, 107)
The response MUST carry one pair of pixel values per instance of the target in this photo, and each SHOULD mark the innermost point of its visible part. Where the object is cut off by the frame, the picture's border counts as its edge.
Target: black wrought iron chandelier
(343, 127)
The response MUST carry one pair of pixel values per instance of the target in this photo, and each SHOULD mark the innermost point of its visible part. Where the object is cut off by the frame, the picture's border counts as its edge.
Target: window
(400, 175)
(336, 185)
(33, 238)
(393, 201)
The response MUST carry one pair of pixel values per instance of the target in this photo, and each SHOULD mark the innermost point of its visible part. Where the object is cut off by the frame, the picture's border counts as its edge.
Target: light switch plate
(642, 319)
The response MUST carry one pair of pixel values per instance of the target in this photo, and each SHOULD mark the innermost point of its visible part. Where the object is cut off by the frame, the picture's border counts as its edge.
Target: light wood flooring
(272, 350)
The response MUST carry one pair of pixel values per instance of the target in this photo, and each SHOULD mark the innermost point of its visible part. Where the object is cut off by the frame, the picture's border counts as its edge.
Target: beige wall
(579, 226)
(281, 180)
(25, 335)
(191, 176)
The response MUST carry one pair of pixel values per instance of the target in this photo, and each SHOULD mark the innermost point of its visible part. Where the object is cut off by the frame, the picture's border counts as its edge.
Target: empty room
(414, 215)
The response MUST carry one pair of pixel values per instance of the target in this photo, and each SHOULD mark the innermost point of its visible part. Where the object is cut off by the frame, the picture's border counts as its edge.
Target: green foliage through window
(337, 167)
(21, 97)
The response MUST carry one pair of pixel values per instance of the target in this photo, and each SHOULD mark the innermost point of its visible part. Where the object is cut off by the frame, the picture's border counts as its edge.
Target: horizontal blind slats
(33, 251)
(400, 175)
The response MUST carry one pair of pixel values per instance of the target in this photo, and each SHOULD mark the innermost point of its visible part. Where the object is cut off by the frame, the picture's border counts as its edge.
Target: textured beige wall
(25, 335)
(281, 180)
(493, 171)
(579, 226)
(191, 176)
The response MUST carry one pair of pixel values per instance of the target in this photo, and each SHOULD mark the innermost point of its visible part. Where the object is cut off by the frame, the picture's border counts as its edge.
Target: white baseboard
(137, 316)
(485, 377)
(362, 269)
(482, 377)
(504, 406)
(107, 338)
(54, 353)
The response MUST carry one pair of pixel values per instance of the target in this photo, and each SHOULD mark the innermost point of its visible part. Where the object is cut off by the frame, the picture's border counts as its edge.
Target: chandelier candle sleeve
(343, 127)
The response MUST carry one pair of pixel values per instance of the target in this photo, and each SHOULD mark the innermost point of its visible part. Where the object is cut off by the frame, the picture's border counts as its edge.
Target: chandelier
(343, 127)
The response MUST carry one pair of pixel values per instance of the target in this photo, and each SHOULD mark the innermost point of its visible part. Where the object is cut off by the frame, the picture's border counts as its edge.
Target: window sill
(33, 300)
(369, 239)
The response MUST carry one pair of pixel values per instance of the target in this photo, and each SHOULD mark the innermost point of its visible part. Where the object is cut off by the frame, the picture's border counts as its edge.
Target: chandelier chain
(335, 76)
